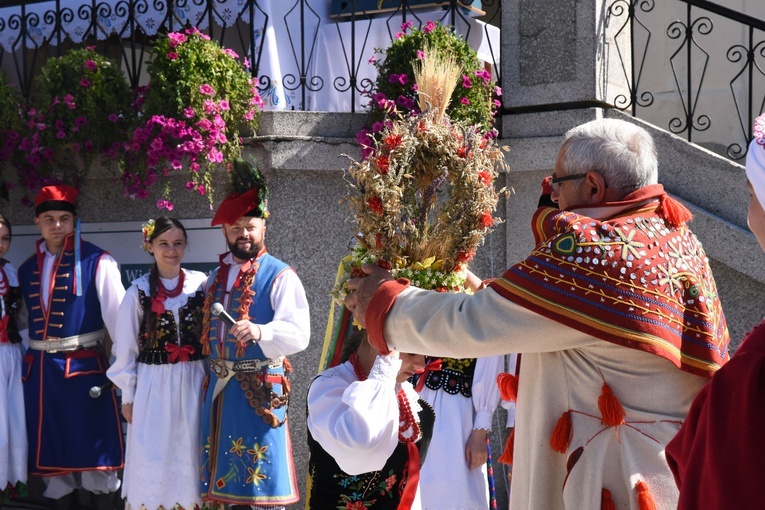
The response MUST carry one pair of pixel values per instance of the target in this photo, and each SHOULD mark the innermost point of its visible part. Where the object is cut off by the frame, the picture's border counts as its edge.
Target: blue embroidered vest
(67, 314)
(260, 310)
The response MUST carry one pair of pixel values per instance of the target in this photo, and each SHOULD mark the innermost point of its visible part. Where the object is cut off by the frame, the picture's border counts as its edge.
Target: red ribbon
(4, 329)
(158, 302)
(433, 365)
(412, 477)
(178, 353)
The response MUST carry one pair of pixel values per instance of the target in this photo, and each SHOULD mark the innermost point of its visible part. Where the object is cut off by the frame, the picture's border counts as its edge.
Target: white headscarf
(755, 160)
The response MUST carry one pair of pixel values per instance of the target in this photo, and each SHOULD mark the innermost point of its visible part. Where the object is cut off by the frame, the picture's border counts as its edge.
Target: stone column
(559, 61)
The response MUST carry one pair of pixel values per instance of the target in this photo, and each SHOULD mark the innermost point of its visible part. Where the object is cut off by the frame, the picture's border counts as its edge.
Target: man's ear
(596, 188)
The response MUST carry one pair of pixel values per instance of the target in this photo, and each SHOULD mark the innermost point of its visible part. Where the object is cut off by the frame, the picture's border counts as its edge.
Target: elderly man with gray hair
(615, 313)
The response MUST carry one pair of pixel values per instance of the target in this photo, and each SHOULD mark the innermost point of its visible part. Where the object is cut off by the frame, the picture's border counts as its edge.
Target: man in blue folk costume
(247, 453)
(72, 290)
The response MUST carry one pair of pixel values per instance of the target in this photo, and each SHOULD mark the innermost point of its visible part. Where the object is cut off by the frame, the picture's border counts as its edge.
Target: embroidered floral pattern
(190, 327)
(363, 491)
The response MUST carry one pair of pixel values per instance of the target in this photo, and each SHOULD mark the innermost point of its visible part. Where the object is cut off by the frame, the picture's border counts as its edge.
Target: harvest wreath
(425, 200)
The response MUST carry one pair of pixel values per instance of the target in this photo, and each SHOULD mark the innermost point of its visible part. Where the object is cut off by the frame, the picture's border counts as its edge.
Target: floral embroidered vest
(332, 488)
(167, 331)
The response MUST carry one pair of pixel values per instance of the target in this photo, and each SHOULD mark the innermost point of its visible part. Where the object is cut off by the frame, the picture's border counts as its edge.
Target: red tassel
(561, 436)
(645, 498)
(507, 455)
(674, 212)
(508, 386)
(611, 411)
(606, 503)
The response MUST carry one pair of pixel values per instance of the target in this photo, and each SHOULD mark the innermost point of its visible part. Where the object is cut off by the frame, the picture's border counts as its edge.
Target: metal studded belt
(225, 369)
(221, 367)
(69, 343)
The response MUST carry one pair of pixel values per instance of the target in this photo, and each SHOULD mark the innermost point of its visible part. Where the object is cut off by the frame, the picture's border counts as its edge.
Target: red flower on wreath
(462, 151)
(384, 264)
(392, 141)
(375, 204)
(464, 256)
(355, 505)
(486, 220)
(383, 163)
(484, 177)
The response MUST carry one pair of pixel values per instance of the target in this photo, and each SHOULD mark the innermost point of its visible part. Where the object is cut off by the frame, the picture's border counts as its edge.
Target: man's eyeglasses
(556, 181)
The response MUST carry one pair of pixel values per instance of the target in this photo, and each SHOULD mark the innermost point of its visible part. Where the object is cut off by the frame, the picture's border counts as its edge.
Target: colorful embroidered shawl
(634, 280)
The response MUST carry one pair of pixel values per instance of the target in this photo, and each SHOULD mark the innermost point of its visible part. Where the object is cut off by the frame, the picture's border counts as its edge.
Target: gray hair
(623, 153)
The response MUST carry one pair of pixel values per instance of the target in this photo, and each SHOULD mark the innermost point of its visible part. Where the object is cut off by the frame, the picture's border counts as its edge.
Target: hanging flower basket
(10, 127)
(198, 99)
(80, 109)
(395, 92)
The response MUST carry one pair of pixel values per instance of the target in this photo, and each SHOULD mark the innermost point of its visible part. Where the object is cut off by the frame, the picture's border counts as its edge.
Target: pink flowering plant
(474, 100)
(10, 126)
(198, 99)
(80, 109)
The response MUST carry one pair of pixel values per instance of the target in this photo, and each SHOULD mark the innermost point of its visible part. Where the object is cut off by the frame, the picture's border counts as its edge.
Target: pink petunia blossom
(231, 53)
(80, 121)
(157, 144)
(466, 82)
(113, 117)
(189, 112)
(465, 101)
(85, 82)
(60, 135)
(171, 55)
(429, 27)
(223, 105)
(498, 91)
(207, 90)
(176, 38)
(165, 204)
(421, 54)
(91, 65)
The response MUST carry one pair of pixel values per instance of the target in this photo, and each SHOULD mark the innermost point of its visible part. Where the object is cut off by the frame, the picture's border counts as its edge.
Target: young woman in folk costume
(159, 367)
(368, 431)
(13, 432)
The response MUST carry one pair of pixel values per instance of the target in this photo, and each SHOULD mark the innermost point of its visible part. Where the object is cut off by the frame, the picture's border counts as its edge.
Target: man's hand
(245, 331)
(127, 411)
(362, 290)
(475, 449)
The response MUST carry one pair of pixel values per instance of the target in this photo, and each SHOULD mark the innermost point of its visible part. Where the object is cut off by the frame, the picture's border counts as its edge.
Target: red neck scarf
(158, 301)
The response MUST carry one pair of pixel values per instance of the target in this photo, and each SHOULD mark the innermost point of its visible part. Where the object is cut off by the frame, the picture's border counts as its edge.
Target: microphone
(96, 391)
(217, 310)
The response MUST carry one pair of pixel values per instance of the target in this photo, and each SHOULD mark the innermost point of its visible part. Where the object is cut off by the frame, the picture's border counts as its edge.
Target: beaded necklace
(158, 301)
